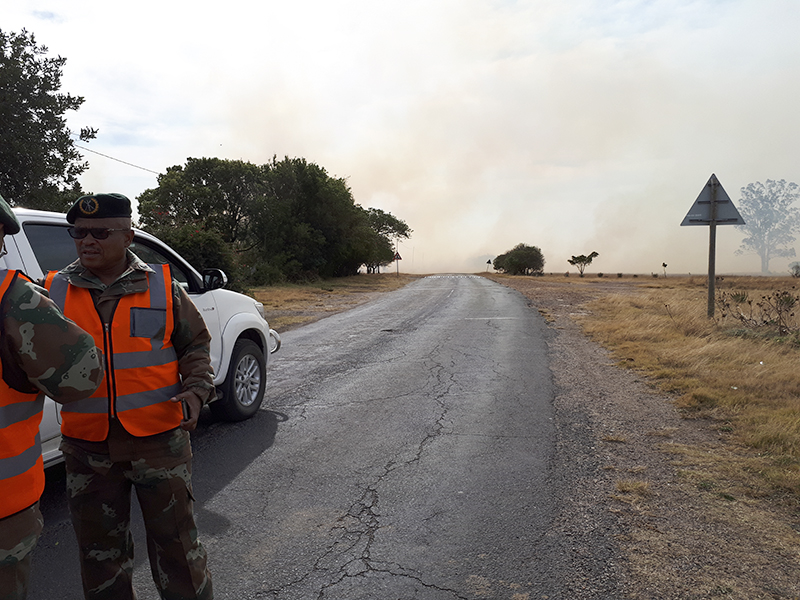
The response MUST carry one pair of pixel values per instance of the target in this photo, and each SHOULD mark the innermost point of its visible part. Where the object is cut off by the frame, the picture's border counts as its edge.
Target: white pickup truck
(241, 339)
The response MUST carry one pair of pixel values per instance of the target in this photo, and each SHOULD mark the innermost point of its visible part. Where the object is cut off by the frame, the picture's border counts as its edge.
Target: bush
(521, 260)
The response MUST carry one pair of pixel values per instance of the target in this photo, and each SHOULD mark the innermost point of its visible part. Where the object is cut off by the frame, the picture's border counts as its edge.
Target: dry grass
(291, 305)
(635, 487)
(745, 379)
(749, 384)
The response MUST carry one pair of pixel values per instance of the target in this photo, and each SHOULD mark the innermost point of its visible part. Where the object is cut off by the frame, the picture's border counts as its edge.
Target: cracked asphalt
(407, 449)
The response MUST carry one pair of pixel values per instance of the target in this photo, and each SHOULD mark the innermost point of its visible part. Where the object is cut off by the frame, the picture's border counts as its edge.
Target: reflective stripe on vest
(21, 470)
(141, 363)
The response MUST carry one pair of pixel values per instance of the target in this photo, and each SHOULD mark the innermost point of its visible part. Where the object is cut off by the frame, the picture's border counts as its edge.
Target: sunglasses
(98, 233)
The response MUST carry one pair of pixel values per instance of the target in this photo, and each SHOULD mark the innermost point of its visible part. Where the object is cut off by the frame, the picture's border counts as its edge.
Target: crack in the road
(350, 554)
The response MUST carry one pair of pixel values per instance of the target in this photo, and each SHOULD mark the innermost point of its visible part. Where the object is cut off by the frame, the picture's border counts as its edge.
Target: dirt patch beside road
(289, 306)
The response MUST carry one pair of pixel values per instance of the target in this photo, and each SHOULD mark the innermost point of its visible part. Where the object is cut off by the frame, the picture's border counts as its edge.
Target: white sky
(572, 125)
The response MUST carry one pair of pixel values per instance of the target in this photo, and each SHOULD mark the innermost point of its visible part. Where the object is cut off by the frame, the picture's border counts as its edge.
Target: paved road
(406, 450)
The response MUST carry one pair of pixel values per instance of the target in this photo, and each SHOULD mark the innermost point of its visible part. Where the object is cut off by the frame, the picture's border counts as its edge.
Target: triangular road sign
(700, 213)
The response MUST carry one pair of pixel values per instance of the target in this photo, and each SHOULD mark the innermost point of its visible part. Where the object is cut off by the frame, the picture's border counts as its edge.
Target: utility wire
(117, 159)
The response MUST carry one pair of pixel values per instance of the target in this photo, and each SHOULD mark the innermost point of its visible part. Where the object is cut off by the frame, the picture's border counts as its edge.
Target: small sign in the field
(397, 256)
(713, 204)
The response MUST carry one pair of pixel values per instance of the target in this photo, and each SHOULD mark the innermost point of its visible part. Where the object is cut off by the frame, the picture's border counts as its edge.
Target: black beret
(99, 206)
(8, 218)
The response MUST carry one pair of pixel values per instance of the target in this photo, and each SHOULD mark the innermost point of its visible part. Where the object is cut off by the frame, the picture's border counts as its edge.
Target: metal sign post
(713, 207)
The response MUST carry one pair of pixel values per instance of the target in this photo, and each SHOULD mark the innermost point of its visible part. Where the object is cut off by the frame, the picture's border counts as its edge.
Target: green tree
(386, 228)
(39, 163)
(582, 261)
(203, 249)
(210, 193)
(286, 219)
(520, 260)
(771, 220)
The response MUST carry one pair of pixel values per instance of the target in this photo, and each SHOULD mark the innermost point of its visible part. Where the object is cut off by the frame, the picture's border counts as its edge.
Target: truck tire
(243, 389)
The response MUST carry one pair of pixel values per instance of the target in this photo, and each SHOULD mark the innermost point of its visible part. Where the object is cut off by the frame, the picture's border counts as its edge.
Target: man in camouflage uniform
(150, 451)
(41, 352)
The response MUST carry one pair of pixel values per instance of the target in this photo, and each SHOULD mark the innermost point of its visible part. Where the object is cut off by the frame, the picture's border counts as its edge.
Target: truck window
(153, 256)
(51, 245)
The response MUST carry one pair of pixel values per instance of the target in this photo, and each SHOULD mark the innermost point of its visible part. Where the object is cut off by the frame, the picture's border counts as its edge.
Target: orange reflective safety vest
(21, 470)
(141, 373)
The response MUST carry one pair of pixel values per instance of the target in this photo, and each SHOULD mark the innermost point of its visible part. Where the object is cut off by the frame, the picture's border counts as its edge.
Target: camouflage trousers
(99, 496)
(18, 536)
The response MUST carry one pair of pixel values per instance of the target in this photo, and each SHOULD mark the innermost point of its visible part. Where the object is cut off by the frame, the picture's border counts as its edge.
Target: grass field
(740, 370)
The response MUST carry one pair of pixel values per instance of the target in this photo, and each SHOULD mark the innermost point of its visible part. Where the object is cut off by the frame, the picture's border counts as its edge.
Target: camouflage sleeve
(56, 356)
(192, 342)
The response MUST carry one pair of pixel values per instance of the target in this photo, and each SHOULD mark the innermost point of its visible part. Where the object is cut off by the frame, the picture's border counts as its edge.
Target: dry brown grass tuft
(634, 487)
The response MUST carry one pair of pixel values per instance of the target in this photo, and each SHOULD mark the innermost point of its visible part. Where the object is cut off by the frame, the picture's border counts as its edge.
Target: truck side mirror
(214, 279)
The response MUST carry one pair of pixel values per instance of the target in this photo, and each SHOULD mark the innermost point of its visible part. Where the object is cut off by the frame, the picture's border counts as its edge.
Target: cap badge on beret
(100, 206)
(88, 205)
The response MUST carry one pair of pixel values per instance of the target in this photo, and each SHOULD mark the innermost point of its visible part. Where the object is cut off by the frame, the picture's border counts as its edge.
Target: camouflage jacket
(191, 337)
(42, 350)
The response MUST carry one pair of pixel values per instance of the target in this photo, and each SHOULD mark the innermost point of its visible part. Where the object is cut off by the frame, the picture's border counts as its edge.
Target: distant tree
(39, 163)
(771, 220)
(520, 260)
(387, 228)
(582, 261)
(794, 269)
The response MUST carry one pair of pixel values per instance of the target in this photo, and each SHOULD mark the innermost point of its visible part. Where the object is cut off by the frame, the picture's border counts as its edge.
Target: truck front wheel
(243, 389)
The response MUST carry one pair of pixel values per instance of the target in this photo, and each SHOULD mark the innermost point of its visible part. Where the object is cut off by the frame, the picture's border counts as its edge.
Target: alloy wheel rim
(247, 380)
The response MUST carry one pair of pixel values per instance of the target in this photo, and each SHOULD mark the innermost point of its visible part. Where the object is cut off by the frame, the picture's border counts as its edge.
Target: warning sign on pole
(713, 207)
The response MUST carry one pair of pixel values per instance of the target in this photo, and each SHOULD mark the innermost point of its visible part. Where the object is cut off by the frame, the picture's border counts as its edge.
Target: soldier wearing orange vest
(41, 352)
(132, 432)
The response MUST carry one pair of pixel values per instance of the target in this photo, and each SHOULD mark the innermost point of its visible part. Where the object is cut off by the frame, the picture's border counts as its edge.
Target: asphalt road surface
(406, 449)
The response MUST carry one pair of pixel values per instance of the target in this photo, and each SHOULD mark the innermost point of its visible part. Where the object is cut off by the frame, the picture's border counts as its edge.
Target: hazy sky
(572, 125)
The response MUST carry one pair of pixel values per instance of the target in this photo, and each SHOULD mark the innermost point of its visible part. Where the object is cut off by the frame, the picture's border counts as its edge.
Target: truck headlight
(260, 309)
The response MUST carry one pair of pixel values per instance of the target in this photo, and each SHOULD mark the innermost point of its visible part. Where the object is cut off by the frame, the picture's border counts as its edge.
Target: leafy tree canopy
(387, 227)
(520, 260)
(284, 220)
(39, 164)
(771, 220)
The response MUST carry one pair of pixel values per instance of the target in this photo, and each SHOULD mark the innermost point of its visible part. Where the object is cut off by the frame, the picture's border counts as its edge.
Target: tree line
(284, 220)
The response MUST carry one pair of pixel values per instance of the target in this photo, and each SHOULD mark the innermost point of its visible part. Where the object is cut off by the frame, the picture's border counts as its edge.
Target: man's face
(104, 254)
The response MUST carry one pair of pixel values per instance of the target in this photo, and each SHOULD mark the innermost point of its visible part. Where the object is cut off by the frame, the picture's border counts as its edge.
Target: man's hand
(192, 406)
